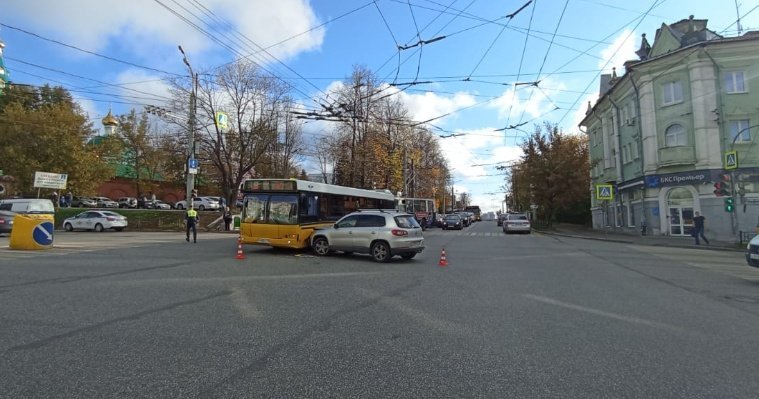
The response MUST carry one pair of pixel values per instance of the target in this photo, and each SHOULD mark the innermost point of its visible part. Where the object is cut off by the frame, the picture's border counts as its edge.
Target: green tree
(45, 130)
(143, 158)
(554, 174)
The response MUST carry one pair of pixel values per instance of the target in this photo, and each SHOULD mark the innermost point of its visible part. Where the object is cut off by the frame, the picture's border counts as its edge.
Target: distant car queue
(200, 203)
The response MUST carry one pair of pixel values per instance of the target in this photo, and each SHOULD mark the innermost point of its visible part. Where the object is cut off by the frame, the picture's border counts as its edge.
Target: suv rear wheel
(321, 246)
(381, 252)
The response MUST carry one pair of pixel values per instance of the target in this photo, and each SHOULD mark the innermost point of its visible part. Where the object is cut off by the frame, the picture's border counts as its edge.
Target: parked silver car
(105, 202)
(380, 233)
(83, 202)
(199, 203)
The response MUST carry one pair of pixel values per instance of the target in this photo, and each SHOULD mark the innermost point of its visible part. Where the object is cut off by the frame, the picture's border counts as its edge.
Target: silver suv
(380, 233)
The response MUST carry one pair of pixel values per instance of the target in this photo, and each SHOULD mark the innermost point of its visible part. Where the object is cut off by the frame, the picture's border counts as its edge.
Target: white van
(28, 205)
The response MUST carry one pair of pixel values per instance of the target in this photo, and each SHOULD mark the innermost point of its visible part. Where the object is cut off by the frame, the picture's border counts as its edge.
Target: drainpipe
(642, 151)
(722, 133)
(620, 166)
(604, 206)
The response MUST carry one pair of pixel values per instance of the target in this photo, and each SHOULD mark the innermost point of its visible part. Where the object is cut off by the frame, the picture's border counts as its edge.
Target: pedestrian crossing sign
(604, 192)
(731, 160)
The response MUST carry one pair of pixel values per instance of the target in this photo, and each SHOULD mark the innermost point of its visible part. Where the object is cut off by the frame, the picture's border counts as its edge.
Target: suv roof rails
(383, 210)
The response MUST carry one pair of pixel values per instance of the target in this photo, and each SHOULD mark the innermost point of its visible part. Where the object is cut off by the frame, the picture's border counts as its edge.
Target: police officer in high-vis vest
(192, 220)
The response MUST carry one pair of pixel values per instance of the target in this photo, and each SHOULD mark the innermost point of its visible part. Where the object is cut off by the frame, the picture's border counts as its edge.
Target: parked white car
(158, 204)
(200, 203)
(105, 202)
(752, 252)
(96, 220)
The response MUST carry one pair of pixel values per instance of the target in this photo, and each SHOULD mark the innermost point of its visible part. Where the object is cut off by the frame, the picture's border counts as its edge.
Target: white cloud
(620, 50)
(528, 102)
(473, 159)
(91, 110)
(143, 87)
(143, 24)
(423, 107)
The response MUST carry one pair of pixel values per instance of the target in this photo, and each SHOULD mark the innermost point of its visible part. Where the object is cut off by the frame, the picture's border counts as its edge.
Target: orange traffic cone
(240, 254)
(443, 261)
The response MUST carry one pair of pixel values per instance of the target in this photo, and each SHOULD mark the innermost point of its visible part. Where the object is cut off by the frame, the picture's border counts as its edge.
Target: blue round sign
(43, 233)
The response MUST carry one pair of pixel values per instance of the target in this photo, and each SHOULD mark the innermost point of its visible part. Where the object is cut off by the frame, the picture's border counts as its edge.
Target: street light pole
(191, 133)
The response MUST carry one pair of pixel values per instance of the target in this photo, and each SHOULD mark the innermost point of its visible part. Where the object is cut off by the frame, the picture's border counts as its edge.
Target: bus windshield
(271, 208)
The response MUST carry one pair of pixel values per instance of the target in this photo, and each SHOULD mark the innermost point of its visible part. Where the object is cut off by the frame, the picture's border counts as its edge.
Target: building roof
(109, 120)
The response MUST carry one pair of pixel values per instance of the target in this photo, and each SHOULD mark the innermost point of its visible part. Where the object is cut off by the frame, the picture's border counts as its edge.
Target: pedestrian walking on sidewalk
(192, 220)
(698, 228)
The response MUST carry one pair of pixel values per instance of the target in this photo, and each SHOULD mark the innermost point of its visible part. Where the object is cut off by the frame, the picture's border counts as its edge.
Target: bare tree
(254, 104)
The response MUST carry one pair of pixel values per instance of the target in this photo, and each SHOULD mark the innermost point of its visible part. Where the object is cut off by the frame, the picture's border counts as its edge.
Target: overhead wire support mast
(190, 132)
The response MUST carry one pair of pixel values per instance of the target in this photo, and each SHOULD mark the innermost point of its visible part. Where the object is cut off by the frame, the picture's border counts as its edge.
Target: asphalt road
(524, 316)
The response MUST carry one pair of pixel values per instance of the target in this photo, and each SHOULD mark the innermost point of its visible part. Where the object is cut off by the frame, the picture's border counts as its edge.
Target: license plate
(754, 256)
(263, 240)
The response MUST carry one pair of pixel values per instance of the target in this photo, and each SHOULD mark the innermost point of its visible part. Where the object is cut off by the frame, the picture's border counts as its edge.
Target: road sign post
(605, 192)
(731, 160)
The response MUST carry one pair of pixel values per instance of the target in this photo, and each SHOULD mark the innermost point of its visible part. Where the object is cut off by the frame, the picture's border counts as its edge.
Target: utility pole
(192, 163)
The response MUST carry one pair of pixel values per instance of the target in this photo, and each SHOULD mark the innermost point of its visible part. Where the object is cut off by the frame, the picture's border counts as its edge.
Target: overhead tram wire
(304, 32)
(85, 90)
(512, 27)
(397, 45)
(694, 48)
(232, 50)
(542, 64)
(521, 62)
(260, 49)
(156, 96)
(58, 42)
(586, 51)
(419, 37)
(510, 17)
(571, 108)
(433, 35)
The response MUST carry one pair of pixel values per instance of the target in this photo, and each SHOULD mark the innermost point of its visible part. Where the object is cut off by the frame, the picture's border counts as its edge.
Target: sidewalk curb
(699, 247)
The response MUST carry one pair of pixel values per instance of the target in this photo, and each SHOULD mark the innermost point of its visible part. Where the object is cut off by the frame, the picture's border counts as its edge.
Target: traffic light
(729, 204)
(723, 188)
(719, 189)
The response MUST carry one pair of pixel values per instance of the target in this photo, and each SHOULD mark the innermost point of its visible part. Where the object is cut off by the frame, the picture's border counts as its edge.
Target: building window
(626, 153)
(672, 92)
(634, 147)
(740, 127)
(734, 82)
(675, 136)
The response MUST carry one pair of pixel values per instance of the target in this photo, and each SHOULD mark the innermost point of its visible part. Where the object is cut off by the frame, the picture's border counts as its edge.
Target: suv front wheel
(381, 252)
(320, 246)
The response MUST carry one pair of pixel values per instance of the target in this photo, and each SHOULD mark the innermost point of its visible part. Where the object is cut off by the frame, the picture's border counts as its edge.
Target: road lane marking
(205, 280)
(422, 317)
(597, 312)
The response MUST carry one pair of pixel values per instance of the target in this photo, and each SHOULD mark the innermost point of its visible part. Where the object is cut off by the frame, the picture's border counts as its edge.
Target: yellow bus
(283, 213)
